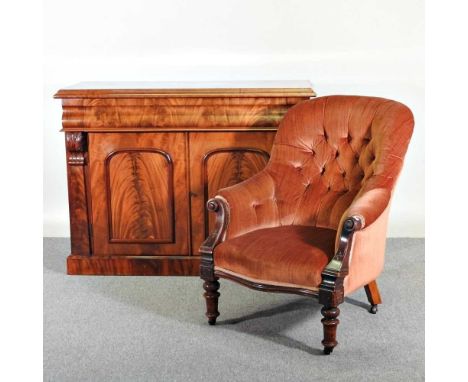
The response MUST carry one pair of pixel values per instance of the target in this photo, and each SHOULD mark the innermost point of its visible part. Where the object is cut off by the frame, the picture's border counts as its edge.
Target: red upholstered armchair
(314, 221)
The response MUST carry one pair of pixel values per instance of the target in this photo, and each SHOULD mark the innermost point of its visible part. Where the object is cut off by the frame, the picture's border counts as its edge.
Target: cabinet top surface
(188, 89)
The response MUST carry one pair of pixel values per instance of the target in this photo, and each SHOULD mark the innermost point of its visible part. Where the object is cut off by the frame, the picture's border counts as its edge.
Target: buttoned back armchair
(313, 222)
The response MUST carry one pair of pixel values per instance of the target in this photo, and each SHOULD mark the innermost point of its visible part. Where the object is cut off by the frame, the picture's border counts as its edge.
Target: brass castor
(373, 309)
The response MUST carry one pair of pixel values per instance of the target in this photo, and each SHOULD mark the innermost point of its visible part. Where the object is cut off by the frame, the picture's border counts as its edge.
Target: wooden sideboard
(143, 159)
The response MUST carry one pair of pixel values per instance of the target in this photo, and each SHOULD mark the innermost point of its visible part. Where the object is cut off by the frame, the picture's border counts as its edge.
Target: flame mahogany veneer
(143, 161)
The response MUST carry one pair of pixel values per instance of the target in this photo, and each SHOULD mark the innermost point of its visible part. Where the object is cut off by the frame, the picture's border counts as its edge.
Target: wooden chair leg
(330, 322)
(211, 297)
(373, 295)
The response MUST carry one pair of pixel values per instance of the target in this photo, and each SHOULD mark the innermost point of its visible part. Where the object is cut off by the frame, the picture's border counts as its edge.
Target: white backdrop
(364, 47)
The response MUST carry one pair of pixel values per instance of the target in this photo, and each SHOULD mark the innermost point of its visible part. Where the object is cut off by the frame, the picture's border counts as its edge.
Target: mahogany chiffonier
(143, 159)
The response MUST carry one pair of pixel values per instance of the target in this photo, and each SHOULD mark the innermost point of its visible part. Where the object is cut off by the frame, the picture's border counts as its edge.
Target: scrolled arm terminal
(219, 206)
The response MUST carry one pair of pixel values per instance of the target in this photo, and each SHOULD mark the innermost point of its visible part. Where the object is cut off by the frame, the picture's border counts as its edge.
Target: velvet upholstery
(264, 255)
(333, 157)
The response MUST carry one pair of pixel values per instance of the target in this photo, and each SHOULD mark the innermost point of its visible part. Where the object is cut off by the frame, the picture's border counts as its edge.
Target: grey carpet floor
(153, 328)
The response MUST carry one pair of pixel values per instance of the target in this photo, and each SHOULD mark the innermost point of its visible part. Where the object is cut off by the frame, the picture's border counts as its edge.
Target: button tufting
(300, 153)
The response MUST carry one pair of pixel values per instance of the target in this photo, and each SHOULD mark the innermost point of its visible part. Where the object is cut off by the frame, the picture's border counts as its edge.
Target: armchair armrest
(369, 205)
(251, 205)
(364, 222)
(219, 206)
(239, 209)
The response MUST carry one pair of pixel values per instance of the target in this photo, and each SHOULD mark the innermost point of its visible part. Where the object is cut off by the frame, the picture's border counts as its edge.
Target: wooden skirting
(133, 265)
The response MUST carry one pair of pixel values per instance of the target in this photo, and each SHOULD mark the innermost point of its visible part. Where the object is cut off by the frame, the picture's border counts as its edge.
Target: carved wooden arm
(219, 206)
(331, 291)
(364, 211)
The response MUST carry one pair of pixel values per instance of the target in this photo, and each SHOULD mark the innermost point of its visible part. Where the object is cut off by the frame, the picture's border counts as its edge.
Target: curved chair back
(329, 150)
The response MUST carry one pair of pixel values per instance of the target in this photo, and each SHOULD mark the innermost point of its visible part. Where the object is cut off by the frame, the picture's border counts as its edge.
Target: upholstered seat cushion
(287, 255)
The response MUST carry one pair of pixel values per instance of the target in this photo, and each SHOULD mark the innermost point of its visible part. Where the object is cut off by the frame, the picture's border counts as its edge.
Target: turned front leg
(330, 322)
(211, 297)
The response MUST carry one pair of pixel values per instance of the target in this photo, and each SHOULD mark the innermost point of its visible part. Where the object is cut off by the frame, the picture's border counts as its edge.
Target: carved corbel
(76, 145)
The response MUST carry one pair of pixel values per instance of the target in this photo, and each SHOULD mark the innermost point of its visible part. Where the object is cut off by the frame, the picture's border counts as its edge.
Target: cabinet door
(220, 160)
(139, 193)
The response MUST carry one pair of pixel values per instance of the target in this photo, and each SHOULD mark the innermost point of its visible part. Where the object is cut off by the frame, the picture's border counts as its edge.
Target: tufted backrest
(330, 150)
